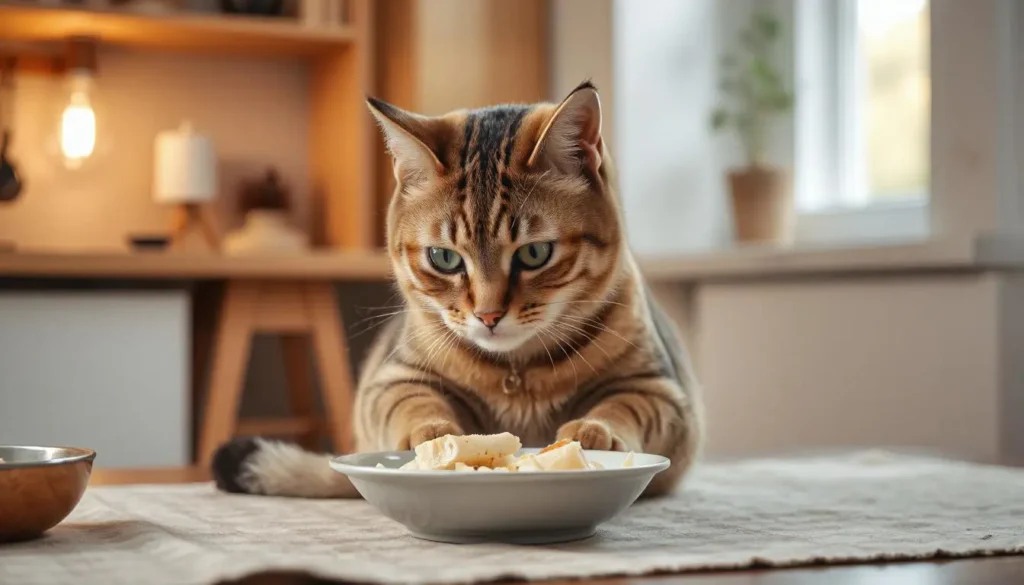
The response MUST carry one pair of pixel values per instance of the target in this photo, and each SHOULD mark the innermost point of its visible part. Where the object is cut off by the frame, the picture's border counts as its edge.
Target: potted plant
(753, 94)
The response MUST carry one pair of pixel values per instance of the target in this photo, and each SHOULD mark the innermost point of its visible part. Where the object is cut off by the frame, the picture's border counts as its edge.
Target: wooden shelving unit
(31, 22)
(340, 59)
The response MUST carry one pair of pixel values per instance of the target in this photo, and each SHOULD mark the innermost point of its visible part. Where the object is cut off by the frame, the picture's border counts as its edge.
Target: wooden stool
(301, 312)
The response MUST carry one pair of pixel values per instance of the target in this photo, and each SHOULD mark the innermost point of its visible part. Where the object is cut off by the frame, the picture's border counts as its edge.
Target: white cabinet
(107, 370)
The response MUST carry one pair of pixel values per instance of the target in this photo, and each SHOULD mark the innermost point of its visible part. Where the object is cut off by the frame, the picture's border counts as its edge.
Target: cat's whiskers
(422, 363)
(377, 320)
(437, 343)
(407, 340)
(369, 308)
(546, 350)
(578, 329)
(558, 344)
(444, 348)
(582, 302)
(448, 351)
(565, 350)
(568, 336)
(446, 341)
(591, 321)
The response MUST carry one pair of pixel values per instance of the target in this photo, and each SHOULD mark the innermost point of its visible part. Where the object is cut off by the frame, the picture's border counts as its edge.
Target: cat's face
(503, 223)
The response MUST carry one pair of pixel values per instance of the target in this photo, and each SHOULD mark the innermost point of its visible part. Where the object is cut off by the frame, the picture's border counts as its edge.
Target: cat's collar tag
(512, 383)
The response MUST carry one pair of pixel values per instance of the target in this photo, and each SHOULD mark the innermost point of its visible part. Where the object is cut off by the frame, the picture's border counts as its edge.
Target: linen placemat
(779, 512)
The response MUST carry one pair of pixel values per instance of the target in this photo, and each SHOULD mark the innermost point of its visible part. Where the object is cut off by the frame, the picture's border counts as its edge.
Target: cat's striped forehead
(488, 172)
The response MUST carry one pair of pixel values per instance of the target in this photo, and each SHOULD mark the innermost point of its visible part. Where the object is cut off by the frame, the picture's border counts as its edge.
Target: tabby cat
(525, 311)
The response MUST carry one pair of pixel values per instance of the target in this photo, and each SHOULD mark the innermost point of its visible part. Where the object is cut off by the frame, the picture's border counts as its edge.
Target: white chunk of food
(472, 450)
(628, 461)
(567, 457)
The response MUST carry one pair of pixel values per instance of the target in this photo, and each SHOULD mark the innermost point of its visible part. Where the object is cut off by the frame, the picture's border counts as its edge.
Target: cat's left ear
(571, 138)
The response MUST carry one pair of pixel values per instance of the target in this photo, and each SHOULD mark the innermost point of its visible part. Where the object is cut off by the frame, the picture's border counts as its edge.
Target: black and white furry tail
(273, 468)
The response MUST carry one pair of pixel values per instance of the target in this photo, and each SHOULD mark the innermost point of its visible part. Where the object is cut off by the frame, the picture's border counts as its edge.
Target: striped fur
(597, 359)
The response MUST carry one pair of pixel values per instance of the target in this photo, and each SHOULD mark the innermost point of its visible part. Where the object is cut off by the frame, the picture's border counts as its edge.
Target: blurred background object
(185, 176)
(265, 205)
(76, 131)
(754, 93)
(10, 181)
(843, 256)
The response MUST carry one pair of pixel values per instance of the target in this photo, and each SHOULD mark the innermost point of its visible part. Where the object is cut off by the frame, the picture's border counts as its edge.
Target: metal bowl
(39, 487)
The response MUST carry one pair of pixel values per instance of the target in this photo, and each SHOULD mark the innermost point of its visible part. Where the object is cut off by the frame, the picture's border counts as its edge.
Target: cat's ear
(571, 138)
(411, 140)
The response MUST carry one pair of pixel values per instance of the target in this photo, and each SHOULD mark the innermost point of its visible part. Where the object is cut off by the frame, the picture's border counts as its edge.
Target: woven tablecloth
(772, 511)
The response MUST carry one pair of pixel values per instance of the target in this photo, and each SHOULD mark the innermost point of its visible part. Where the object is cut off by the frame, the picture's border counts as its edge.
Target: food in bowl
(483, 453)
(525, 496)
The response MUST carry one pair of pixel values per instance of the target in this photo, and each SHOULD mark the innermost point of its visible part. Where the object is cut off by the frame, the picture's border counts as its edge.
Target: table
(986, 571)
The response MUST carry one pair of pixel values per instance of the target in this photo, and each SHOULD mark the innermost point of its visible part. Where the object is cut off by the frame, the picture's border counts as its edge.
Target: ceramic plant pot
(762, 204)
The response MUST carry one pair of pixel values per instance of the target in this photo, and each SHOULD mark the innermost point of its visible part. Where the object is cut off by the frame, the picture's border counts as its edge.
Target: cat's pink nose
(490, 318)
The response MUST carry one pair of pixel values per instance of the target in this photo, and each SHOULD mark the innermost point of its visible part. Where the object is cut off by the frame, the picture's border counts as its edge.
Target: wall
(664, 59)
(581, 41)
(903, 361)
(255, 111)
(475, 53)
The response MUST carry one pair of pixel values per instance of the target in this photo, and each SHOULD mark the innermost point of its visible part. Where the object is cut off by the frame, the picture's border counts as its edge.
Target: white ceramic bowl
(508, 507)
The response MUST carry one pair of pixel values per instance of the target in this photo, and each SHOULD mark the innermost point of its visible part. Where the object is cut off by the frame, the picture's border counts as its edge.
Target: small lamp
(185, 176)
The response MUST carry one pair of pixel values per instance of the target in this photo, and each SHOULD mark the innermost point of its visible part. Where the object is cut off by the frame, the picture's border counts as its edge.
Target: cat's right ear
(411, 140)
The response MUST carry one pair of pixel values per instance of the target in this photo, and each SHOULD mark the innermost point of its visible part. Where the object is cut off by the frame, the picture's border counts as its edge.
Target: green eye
(533, 256)
(444, 260)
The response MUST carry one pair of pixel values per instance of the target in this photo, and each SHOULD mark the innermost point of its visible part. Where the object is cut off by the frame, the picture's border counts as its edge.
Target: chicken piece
(568, 457)
(472, 450)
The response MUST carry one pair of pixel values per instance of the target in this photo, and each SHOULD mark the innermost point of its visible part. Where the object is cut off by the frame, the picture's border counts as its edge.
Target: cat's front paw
(591, 434)
(430, 430)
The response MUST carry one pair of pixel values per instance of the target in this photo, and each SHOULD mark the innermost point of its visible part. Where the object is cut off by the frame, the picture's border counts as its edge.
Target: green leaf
(754, 85)
(750, 40)
(783, 101)
(719, 119)
(763, 71)
(766, 25)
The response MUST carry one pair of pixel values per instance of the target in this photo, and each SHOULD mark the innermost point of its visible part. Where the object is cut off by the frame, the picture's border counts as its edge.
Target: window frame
(831, 201)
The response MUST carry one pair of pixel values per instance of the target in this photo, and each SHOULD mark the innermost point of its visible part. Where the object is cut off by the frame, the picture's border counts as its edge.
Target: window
(893, 47)
(862, 118)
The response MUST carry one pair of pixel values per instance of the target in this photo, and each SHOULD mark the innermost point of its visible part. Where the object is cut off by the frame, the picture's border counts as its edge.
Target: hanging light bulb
(78, 122)
(77, 126)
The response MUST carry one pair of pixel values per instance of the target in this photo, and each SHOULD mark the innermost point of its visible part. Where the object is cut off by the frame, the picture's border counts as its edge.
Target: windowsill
(906, 221)
(963, 254)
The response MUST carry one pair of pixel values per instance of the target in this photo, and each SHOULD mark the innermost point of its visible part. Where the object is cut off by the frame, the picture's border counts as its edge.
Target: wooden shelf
(343, 143)
(340, 266)
(196, 33)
